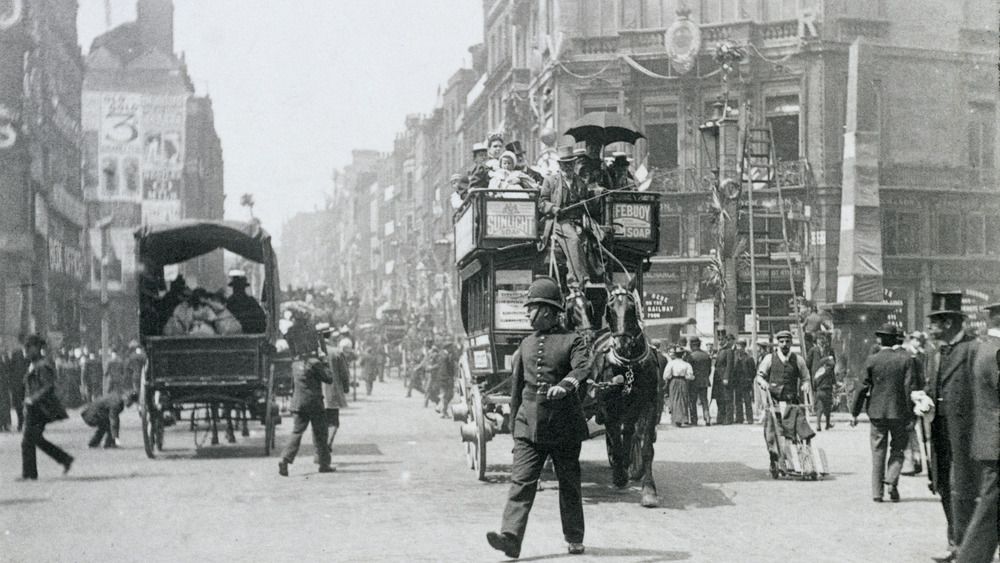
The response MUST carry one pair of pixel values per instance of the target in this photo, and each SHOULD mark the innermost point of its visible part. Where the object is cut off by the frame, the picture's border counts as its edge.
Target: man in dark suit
(744, 370)
(103, 414)
(17, 368)
(246, 309)
(41, 407)
(979, 480)
(722, 380)
(307, 400)
(548, 419)
(478, 174)
(4, 389)
(889, 378)
(946, 390)
(701, 364)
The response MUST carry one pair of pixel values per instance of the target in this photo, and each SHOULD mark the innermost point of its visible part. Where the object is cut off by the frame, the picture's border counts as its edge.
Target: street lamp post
(103, 225)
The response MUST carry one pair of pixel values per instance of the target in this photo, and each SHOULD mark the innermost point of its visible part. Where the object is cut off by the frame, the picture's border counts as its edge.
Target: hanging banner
(683, 40)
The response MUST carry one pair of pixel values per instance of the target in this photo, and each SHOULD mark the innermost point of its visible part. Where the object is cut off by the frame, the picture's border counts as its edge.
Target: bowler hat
(945, 303)
(515, 147)
(565, 154)
(34, 340)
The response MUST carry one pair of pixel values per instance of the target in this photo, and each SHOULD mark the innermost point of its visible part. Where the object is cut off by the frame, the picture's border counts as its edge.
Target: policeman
(548, 419)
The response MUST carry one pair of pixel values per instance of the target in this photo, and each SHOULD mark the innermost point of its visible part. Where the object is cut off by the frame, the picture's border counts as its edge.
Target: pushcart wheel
(146, 414)
(269, 421)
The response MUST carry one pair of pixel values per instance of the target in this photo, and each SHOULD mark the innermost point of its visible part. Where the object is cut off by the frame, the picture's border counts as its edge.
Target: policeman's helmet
(545, 290)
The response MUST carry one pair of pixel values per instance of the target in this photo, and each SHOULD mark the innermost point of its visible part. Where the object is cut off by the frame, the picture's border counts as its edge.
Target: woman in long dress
(678, 374)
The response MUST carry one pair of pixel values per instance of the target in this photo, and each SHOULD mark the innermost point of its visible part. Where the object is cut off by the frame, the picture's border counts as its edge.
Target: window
(590, 104)
(661, 134)
(948, 228)
(982, 136)
(975, 237)
(714, 11)
(992, 235)
(640, 14)
(783, 117)
(597, 18)
(670, 235)
(708, 238)
(901, 233)
(775, 10)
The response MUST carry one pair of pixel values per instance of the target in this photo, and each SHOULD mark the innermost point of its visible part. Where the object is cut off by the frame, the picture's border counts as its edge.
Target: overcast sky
(297, 84)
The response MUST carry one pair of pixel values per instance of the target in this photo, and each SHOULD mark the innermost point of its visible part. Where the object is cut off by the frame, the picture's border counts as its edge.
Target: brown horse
(626, 374)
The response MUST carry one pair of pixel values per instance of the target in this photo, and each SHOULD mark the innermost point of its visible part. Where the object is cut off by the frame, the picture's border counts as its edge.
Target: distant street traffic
(402, 492)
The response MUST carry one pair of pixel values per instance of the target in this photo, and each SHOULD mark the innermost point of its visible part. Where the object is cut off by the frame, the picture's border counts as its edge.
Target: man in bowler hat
(41, 407)
(245, 308)
(889, 378)
(548, 420)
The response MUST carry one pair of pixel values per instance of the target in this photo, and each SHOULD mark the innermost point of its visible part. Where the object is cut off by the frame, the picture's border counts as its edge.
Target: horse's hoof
(650, 501)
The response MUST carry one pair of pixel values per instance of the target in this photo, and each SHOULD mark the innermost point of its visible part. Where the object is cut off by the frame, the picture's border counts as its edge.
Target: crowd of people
(186, 311)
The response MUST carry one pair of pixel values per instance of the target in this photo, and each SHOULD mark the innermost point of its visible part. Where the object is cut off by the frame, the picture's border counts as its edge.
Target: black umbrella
(605, 127)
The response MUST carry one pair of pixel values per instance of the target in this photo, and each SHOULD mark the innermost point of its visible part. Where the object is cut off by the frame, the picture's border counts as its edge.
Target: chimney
(155, 20)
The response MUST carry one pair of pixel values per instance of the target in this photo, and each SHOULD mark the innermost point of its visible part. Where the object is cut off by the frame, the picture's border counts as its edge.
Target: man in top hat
(889, 378)
(979, 480)
(944, 402)
(247, 311)
(783, 375)
(478, 174)
(548, 368)
(576, 236)
(621, 175)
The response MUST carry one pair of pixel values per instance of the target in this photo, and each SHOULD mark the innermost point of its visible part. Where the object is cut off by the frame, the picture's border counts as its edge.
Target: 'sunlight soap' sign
(510, 219)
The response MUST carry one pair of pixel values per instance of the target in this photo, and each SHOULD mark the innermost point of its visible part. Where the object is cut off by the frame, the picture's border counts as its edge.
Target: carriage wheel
(147, 415)
(269, 421)
(477, 449)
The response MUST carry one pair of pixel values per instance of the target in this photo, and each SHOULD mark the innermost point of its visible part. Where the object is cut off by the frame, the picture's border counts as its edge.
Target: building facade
(43, 220)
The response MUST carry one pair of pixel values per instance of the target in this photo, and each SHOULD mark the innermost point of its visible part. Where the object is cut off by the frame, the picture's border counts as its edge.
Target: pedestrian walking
(104, 415)
(116, 376)
(821, 364)
(17, 368)
(93, 374)
(41, 407)
(678, 375)
(979, 542)
(446, 375)
(701, 364)
(5, 402)
(309, 371)
(943, 402)
(915, 346)
(744, 370)
(335, 394)
(890, 376)
(548, 420)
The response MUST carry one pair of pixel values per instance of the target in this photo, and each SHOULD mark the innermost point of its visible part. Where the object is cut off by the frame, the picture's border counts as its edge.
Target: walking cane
(931, 470)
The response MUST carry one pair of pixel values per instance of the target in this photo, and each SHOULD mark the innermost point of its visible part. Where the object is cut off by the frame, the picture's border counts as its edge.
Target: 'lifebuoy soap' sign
(510, 220)
(633, 220)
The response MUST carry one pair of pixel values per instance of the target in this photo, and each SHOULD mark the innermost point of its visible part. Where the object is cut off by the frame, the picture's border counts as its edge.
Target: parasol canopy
(604, 128)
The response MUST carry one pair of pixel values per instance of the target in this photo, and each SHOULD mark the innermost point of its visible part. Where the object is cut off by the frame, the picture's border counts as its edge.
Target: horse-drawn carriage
(500, 248)
(205, 374)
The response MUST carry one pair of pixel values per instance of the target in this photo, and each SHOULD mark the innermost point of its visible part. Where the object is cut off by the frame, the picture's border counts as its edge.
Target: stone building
(43, 219)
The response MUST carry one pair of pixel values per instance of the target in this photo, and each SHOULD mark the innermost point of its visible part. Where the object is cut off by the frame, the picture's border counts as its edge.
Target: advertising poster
(633, 220)
(163, 146)
(511, 219)
(511, 295)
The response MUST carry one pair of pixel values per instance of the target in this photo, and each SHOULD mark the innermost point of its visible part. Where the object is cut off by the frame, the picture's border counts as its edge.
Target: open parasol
(604, 128)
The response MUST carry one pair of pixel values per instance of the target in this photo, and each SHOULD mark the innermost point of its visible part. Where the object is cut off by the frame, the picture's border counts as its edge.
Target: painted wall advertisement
(134, 145)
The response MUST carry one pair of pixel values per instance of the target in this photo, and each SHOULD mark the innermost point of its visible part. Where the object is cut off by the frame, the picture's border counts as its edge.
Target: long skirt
(677, 400)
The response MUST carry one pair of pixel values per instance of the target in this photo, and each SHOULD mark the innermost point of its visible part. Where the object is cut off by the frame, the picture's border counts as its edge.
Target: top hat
(783, 334)
(515, 147)
(891, 330)
(477, 147)
(946, 303)
(565, 154)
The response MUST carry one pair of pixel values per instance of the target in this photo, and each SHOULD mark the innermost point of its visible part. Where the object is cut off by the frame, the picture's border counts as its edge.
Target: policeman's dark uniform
(547, 428)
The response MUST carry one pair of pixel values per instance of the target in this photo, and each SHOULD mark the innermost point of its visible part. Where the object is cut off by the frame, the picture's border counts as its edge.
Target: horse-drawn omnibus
(500, 248)
(203, 373)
